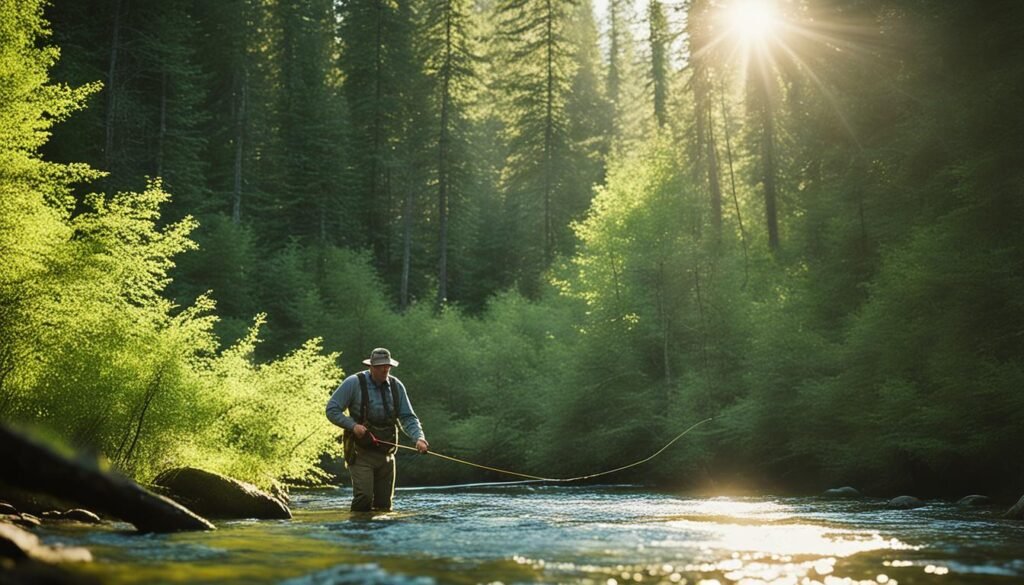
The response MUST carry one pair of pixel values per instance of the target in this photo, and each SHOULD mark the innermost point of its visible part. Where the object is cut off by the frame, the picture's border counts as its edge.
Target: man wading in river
(377, 404)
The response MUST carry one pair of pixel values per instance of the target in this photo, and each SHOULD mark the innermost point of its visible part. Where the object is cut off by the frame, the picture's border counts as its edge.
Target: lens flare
(751, 21)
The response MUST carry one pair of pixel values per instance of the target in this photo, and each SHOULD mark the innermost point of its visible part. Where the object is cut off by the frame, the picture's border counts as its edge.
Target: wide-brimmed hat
(380, 357)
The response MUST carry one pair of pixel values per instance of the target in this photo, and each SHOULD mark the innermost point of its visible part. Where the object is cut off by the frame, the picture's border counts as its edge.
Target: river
(602, 535)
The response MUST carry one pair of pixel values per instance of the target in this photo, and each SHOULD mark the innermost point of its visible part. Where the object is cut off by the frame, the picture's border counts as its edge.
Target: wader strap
(366, 399)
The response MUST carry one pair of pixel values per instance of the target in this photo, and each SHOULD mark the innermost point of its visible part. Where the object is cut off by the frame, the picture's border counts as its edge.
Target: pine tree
(591, 119)
(313, 127)
(658, 38)
(538, 70)
(447, 51)
(701, 58)
(375, 55)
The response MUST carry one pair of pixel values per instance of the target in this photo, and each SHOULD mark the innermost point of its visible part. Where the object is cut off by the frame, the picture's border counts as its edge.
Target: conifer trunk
(442, 162)
(659, 62)
(768, 162)
(376, 160)
(549, 134)
(162, 134)
(242, 85)
(115, 47)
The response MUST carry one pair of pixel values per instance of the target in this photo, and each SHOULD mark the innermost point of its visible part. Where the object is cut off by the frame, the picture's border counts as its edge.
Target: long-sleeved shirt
(348, 397)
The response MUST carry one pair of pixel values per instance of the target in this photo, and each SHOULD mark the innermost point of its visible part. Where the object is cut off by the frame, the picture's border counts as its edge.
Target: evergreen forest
(580, 227)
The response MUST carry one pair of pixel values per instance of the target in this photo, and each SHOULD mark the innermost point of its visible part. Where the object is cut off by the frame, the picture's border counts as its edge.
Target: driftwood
(30, 465)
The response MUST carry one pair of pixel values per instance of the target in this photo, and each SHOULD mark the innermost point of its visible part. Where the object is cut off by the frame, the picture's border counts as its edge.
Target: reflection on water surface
(608, 535)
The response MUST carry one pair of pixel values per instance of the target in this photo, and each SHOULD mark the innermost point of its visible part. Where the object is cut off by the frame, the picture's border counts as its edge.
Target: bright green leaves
(90, 345)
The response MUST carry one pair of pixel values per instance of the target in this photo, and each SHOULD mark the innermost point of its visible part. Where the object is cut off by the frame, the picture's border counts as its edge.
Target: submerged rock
(24, 520)
(28, 520)
(1017, 511)
(32, 466)
(18, 544)
(26, 560)
(218, 496)
(842, 492)
(80, 515)
(974, 500)
(73, 515)
(280, 491)
(904, 503)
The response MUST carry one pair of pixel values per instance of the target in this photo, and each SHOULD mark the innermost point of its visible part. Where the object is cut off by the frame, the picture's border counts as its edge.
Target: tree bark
(162, 134)
(659, 61)
(241, 111)
(406, 246)
(377, 170)
(115, 47)
(443, 171)
(732, 184)
(704, 119)
(549, 135)
(768, 161)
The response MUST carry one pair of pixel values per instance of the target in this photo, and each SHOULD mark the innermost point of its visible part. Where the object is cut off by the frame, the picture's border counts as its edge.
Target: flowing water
(607, 535)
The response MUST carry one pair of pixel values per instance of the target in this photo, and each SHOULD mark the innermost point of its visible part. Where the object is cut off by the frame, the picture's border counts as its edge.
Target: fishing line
(537, 478)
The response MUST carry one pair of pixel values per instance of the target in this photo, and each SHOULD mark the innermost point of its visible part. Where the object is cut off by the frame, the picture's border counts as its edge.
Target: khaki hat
(380, 357)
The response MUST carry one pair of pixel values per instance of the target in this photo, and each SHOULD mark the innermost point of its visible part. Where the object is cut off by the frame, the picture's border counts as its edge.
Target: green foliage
(92, 348)
(866, 331)
(264, 421)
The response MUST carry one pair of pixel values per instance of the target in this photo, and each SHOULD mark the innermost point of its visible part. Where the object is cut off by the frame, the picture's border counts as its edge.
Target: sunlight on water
(610, 535)
(801, 539)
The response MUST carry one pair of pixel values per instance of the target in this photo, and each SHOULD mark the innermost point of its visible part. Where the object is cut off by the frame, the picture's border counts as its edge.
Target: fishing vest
(386, 430)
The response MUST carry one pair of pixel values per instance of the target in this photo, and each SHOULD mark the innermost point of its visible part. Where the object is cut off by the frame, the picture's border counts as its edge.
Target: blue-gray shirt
(349, 397)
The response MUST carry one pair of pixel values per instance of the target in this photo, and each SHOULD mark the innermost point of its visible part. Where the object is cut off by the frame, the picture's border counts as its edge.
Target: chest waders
(386, 430)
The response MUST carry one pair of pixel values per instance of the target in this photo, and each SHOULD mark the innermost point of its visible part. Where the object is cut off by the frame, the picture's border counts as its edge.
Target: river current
(602, 535)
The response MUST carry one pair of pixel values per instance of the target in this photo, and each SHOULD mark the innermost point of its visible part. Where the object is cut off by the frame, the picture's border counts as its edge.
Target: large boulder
(842, 492)
(30, 465)
(1017, 511)
(974, 500)
(217, 496)
(904, 503)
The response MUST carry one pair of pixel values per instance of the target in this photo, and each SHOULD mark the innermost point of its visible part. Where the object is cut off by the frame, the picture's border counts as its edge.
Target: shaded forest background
(579, 235)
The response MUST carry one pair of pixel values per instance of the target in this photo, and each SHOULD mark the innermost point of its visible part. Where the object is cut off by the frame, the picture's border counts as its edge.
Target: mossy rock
(218, 496)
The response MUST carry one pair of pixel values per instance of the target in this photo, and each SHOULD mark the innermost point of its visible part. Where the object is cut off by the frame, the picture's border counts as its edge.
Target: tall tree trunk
(659, 62)
(613, 56)
(549, 136)
(162, 134)
(714, 185)
(704, 120)
(700, 310)
(732, 185)
(377, 159)
(664, 315)
(115, 47)
(706, 142)
(240, 105)
(443, 162)
(768, 162)
(406, 246)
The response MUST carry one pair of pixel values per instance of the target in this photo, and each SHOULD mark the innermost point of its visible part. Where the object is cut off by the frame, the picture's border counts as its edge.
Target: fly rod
(537, 478)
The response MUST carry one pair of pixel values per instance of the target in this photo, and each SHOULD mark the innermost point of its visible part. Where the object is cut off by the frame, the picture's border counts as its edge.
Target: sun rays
(759, 39)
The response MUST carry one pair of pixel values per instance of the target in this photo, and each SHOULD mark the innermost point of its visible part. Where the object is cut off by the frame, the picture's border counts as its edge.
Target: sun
(751, 21)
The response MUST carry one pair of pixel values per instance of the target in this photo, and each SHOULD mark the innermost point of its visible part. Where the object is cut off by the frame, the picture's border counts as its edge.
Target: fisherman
(377, 404)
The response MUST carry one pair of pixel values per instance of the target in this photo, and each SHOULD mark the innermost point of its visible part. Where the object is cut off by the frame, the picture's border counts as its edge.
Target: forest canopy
(579, 231)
